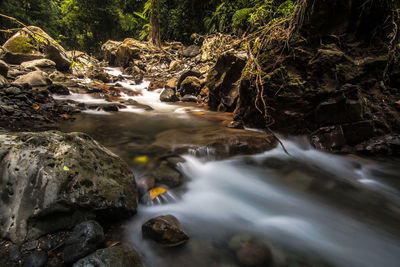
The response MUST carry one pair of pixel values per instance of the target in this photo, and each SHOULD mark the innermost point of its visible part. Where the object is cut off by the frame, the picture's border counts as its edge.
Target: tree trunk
(154, 36)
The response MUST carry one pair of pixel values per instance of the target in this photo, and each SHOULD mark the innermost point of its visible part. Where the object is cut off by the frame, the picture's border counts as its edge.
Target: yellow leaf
(142, 159)
(66, 168)
(112, 243)
(35, 106)
(155, 192)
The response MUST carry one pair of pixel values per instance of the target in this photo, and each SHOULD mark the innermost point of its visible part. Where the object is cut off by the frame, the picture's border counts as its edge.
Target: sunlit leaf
(155, 192)
(141, 159)
(112, 243)
(66, 168)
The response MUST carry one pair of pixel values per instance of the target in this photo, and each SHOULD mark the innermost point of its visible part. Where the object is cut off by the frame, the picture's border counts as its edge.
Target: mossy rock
(20, 44)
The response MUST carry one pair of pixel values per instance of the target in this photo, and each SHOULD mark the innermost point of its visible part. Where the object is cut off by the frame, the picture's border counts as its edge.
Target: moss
(20, 44)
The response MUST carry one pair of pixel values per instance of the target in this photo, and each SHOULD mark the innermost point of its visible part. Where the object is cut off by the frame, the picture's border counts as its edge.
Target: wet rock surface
(24, 108)
(165, 230)
(219, 141)
(70, 178)
(168, 95)
(3, 68)
(85, 238)
(36, 259)
(116, 256)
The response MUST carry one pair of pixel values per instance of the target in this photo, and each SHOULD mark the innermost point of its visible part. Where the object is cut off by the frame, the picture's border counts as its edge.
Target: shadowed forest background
(85, 25)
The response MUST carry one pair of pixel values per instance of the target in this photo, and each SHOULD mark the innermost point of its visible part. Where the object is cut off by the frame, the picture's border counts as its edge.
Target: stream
(310, 208)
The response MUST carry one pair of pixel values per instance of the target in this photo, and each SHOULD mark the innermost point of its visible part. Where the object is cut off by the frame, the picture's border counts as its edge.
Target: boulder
(186, 74)
(129, 50)
(22, 46)
(34, 79)
(117, 256)
(39, 63)
(52, 181)
(58, 56)
(172, 83)
(190, 86)
(3, 68)
(57, 76)
(84, 239)
(82, 62)
(191, 51)
(168, 95)
(221, 80)
(109, 50)
(165, 230)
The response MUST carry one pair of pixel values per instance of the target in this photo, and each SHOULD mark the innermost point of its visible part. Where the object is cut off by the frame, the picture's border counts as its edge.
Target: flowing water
(310, 208)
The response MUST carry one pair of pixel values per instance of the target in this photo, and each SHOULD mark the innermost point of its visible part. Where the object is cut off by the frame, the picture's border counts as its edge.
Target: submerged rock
(117, 256)
(84, 239)
(223, 141)
(52, 181)
(165, 230)
(254, 255)
(164, 174)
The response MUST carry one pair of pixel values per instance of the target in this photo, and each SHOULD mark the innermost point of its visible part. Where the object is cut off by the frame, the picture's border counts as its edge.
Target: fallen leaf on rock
(155, 192)
(65, 116)
(112, 243)
(141, 159)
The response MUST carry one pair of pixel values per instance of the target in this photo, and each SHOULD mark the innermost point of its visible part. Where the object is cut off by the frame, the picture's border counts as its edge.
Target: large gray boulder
(118, 256)
(35, 79)
(52, 180)
(84, 239)
(32, 43)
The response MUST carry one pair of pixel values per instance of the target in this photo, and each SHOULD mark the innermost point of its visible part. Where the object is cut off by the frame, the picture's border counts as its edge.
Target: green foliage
(85, 25)
(241, 18)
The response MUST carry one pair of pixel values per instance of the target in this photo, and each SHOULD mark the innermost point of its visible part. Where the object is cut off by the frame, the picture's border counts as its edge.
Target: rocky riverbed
(63, 194)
